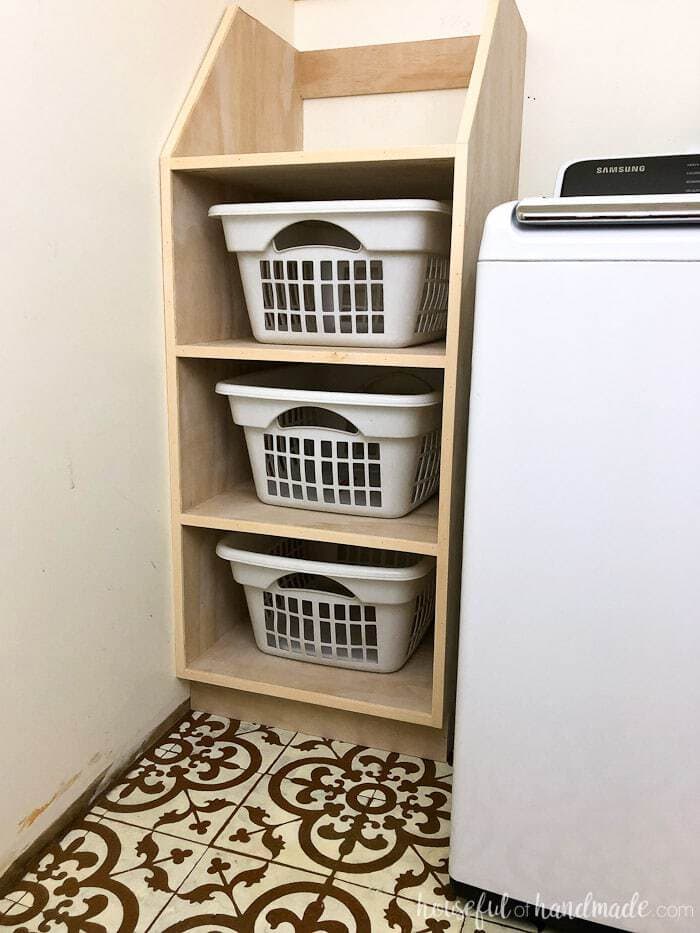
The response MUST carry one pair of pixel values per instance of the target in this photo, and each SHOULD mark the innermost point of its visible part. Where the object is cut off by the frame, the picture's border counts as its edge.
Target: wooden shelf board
(404, 695)
(414, 171)
(241, 510)
(217, 164)
(426, 356)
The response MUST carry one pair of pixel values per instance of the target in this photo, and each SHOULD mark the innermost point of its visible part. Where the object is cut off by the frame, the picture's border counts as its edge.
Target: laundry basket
(336, 439)
(334, 604)
(342, 273)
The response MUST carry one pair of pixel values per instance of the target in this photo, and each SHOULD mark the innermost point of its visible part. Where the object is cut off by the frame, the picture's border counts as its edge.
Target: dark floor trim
(73, 811)
(491, 906)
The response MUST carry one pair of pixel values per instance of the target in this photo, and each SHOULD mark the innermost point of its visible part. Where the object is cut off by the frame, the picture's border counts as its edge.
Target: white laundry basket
(342, 273)
(334, 604)
(336, 439)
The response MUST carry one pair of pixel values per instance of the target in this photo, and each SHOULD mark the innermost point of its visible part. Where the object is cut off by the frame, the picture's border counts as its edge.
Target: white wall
(382, 119)
(602, 77)
(608, 77)
(90, 90)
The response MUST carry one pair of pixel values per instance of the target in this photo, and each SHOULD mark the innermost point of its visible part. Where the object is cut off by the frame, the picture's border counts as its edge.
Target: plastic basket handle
(315, 233)
(315, 582)
(311, 417)
(418, 381)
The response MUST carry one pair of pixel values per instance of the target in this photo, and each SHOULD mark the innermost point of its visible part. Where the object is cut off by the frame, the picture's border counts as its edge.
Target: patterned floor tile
(228, 891)
(189, 784)
(101, 876)
(263, 827)
(10, 909)
(334, 748)
(372, 817)
(391, 914)
(226, 825)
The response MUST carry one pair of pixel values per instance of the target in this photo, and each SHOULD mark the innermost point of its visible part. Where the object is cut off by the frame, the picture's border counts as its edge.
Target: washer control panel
(663, 174)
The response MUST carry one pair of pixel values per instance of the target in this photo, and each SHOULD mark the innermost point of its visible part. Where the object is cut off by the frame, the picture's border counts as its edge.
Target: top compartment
(250, 92)
(342, 273)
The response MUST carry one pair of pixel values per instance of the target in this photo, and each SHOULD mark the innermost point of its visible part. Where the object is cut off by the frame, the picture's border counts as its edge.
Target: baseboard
(390, 734)
(81, 804)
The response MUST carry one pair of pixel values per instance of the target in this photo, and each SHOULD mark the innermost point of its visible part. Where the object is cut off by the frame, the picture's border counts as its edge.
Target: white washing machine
(577, 752)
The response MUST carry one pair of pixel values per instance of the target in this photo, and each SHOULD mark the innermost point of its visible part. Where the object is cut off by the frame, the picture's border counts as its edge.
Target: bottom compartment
(334, 604)
(216, 646)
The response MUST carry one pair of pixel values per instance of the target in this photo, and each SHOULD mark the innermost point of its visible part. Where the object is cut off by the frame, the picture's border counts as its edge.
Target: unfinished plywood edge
(310, 719)
(309, 157)
(241, 510)
(235, 661)
(491, 123)
(502, 47)
(172, 404)
(323, 700)
(427, 65)
(425, 356)
(203, 73)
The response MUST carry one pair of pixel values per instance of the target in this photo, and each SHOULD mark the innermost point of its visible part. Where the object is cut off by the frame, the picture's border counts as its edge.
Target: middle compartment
(349, 440)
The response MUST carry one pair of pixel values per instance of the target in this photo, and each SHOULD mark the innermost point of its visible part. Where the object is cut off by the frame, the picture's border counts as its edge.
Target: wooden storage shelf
(235, 662)
(425, 356)
(241, 510)
(414, 171)
(239, 137)
(218, 648)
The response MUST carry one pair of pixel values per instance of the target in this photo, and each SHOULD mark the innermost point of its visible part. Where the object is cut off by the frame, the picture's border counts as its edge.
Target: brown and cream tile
(101, 876)
(374, 818)
(189, 784)
(227, 825)
(265, 826)
(228, 891)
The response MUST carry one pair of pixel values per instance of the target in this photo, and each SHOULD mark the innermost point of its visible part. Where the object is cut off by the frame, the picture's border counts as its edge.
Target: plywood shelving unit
(239, 138)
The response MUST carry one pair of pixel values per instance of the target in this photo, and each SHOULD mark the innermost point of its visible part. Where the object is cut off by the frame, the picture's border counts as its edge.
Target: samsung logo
(619, 169)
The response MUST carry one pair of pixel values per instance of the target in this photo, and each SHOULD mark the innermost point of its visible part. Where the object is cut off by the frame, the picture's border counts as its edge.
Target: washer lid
(567, 237)
(612, 209)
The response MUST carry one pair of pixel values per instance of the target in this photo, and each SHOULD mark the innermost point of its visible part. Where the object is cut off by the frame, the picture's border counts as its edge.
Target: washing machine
(577, 748)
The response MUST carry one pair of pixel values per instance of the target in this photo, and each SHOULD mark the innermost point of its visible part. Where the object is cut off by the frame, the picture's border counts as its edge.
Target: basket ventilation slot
(423, 615)
(307, 624)
(428, 469)
(329, 296)
(331, 471)
(432, 314)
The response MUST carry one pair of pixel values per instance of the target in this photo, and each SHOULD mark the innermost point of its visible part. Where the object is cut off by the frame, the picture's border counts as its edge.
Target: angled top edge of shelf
(441, 152)
(427, 355)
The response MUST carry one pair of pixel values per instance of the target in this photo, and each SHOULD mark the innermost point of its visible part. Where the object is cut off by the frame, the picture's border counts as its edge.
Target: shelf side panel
(486, 174)
(245, 97)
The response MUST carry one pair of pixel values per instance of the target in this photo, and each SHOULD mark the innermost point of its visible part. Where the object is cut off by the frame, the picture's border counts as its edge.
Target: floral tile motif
(372, 817)
(227, 891)
(101, 876)
(226, 825)
(189, 784)
(262, 828)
